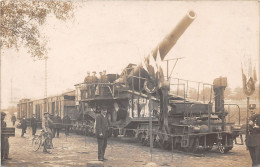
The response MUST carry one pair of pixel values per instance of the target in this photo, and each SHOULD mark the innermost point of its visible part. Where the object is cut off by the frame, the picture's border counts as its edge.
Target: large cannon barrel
(164, 47)
(170, 40)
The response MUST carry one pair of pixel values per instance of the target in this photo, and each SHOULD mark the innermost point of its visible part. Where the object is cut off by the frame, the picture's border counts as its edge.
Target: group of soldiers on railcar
(95, 86)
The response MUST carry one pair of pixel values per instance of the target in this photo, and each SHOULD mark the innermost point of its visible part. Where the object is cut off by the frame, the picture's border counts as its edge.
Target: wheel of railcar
(143, 141)
(156, 142)
(115, 132)
(147, 140)
(139, 136)
(195, 146)
(221, 148)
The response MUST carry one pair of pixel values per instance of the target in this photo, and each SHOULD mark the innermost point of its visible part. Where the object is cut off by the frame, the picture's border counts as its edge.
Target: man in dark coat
(24, 126)
(87, 81)
(48, 123)
(57, 125)
(13, 119)
(34, 124)
(66, 122)
(101, 128)
(4, 140)
(253, 138)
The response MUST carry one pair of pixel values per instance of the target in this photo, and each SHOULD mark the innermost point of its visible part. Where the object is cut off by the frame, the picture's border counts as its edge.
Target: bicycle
(42, 140)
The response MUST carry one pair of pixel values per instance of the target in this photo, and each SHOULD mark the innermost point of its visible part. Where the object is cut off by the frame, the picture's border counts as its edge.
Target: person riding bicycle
(47, 124)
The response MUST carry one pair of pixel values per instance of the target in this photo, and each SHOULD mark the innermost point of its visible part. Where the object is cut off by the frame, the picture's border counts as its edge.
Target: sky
(108, 35)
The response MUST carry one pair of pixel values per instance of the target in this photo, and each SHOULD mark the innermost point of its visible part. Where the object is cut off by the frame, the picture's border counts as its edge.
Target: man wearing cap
(101, 128)
(57, 125)
(253, 138)
(100, 84)
(47, 124)
(87, 81)
(4, 139)
(13, 119)
(24, 126)
(105, 80)
(66, 121)
(94, 82)
(34, 124)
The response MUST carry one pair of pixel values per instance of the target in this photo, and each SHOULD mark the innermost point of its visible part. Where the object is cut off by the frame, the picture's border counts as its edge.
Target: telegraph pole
(46, 78)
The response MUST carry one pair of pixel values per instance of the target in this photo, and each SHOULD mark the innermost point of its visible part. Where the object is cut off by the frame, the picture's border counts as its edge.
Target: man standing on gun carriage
(94, 82)
(101, 128)
(87, 80)
(34, 124)
(4, 140)
(253, 136)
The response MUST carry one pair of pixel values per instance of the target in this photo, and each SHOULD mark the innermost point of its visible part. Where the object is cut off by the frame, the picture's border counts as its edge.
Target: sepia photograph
(130, 83)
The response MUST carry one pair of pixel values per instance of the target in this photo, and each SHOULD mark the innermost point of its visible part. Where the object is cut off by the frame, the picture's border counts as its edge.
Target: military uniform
(34, 125)
(57, 125)
(101, 128)
(94, 86)
(24, 126)
(66, 121)
(13, 119)
(253, 139)
(4, 139)
(48, 124)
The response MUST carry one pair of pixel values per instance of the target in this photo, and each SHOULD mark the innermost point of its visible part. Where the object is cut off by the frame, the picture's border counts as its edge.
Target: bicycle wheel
(36, 143)
(47, 145)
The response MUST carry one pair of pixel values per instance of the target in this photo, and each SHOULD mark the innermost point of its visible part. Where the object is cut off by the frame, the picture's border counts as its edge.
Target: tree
(239, 94)
(21, 21)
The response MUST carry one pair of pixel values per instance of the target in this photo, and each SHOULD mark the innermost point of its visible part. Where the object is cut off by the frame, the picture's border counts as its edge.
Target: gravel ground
(76, 150)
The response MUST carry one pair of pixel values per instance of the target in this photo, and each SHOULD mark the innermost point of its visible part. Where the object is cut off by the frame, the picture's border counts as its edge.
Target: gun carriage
(178, 122)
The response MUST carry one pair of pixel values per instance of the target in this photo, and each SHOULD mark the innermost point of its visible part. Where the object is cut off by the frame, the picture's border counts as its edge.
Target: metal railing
(186, 84)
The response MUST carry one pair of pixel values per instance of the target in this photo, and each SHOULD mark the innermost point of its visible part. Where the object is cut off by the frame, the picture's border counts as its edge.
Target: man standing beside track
(24, 126)
(47, 124)
(253, 137)
(66, 122)
(4, 140)
(34, 124)
(57, 125)
(13, 119)
(101, 133)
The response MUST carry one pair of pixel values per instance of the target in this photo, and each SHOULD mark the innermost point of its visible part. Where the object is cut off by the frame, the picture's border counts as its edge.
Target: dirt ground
(76, 150)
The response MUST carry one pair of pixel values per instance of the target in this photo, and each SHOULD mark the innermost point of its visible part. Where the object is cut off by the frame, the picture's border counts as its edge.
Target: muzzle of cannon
(150, 70)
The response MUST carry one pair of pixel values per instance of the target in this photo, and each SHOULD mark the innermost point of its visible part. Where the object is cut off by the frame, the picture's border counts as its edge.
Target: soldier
(87, 80)
(4, 140)
(13, 119)
(24, 126)
(34, 124)
(57, 125)
(100, 85)
(66, 121)
(101, 129)
(253, 138)
(48, 123)
(94, 82)
(51, 126)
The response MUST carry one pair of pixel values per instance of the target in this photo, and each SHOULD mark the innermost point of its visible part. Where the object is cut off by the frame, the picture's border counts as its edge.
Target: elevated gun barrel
(164, 47)
(170, 40)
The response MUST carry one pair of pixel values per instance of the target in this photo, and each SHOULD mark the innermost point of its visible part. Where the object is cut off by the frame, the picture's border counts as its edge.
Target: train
(62, 104)
(143, 103)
